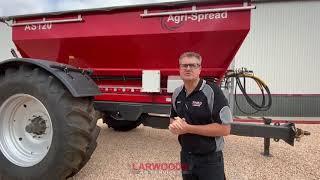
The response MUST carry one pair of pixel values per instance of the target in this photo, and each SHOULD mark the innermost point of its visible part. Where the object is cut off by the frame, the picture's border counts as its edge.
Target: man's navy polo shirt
(205, 105)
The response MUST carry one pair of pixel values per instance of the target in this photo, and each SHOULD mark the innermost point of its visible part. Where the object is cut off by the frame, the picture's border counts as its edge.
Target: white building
(5, 42)
(283, 49)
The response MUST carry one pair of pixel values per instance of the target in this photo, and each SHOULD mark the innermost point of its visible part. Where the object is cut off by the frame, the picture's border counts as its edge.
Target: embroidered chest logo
(196, 103)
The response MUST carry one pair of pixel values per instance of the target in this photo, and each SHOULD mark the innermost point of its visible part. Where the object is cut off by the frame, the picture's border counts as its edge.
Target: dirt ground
(123, 155)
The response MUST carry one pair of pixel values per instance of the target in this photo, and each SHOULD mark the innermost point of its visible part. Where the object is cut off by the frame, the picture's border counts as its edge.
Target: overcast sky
(17, 7)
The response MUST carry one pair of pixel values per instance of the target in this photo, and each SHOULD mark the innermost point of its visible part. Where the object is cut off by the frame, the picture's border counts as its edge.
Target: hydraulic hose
(265, 92)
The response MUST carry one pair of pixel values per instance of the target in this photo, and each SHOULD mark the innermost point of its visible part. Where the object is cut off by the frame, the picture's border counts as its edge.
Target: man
(200, 115)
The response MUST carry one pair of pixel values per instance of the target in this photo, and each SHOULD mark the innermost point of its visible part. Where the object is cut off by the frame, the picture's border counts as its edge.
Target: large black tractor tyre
(120, 125)
(45, 132)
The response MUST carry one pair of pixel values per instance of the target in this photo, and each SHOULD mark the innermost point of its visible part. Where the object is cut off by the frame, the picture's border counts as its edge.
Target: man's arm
(180, 126)
(221, 114)
(173, 114)
(213, 129)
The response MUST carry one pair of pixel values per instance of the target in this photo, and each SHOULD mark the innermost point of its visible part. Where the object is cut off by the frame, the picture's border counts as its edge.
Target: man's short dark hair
(190, 55)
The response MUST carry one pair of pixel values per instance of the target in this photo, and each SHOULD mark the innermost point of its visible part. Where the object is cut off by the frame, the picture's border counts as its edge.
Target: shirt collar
(198, 87)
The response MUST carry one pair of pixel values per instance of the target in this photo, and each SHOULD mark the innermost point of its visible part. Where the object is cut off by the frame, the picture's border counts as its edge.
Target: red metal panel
(141, 98)
(122, 43)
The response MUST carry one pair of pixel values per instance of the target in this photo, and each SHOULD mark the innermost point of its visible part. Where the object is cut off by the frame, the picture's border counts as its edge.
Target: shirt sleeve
(221, 111)
(175, 94)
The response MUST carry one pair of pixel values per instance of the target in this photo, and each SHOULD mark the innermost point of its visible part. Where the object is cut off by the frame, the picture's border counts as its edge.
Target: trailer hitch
(287, 132)
(299, 133)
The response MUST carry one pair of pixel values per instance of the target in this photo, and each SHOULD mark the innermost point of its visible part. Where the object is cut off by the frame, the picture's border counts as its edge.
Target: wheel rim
(26, 130)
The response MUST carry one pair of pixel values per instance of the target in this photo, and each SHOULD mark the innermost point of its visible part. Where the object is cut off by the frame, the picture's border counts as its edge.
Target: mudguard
(75, 80)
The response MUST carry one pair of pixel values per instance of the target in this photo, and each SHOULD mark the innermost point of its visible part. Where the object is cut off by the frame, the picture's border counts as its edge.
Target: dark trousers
(202, 167)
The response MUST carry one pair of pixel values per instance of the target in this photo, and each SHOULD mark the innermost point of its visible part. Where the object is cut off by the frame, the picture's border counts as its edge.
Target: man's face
(189, 68)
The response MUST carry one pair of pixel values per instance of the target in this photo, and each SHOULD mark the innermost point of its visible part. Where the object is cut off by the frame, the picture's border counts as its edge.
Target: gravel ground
(119, 154)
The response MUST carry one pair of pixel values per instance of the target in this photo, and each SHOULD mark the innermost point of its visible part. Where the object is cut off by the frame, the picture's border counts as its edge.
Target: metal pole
(232, 88)
(266, 151)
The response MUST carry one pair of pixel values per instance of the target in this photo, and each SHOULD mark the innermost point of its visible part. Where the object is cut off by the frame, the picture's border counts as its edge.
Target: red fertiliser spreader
(116, 63)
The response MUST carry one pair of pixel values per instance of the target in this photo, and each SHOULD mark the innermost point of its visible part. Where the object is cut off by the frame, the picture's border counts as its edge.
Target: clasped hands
(179, 126)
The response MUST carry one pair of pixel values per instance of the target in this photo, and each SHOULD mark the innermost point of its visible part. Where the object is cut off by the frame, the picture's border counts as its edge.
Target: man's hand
(179, 126)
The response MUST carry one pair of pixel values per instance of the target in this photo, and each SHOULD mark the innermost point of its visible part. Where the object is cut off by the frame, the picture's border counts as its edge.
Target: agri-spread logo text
(175, 21)
(197, 17)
